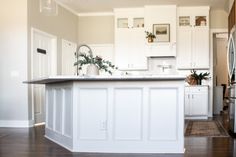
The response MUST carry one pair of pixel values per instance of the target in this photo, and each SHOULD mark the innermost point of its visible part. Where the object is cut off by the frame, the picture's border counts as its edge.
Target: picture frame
(162, 32)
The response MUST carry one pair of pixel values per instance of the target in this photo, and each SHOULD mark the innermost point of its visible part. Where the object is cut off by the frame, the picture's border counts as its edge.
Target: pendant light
(48, 7)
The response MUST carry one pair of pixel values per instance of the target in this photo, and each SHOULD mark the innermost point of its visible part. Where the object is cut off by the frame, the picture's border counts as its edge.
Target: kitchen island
(116, 114)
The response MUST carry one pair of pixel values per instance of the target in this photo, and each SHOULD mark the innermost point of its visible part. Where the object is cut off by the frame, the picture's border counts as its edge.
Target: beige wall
(64, 25)
(96, 29)
(218, 19)
(13, 62)
(220, 53)
(230, 4)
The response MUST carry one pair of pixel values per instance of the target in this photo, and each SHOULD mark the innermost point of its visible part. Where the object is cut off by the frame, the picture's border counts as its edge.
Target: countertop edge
(57, 79)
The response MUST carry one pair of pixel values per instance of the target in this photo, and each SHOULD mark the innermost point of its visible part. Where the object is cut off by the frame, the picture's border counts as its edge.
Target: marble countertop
(63, 78)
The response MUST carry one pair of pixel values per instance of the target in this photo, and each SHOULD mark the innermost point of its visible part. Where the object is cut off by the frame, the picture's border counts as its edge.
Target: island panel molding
(116, 115)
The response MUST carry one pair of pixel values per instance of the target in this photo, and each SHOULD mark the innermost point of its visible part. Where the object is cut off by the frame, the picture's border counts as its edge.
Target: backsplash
(162, 65)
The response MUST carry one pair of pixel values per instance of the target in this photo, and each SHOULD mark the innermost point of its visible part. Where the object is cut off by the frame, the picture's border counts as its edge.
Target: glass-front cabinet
(193, 17)
(193, 38)
(122, 23)
(130, 22)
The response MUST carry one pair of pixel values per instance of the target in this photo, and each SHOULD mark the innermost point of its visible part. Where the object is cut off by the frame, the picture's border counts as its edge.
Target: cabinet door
(130, 49)
(137, 58)
(200, 54)
(122, 48)
(199, 104)
(187, 104)
(184, 48)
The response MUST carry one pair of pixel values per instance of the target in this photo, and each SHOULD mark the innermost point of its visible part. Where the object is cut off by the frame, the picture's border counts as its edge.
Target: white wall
(13, 61)
(220, 56)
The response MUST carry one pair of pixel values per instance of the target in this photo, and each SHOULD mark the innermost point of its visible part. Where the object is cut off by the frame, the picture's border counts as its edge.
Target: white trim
(96, 14)
(67, 8)
(212, 32)
(17, 123)
(59, 143)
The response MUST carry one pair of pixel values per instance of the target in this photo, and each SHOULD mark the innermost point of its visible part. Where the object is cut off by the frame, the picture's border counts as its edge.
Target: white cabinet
(193, 38)
(130, 39)
(196, 102)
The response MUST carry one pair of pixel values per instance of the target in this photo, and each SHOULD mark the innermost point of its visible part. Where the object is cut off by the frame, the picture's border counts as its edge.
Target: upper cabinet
(193, 38)
(130, 22)
(130, 39)
(161, 16)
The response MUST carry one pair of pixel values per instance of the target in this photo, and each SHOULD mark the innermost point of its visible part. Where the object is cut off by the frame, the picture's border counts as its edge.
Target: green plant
(83, 59)
(149, 35)
(200, 76)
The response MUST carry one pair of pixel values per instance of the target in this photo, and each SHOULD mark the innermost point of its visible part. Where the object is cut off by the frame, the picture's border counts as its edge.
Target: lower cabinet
(196, 102)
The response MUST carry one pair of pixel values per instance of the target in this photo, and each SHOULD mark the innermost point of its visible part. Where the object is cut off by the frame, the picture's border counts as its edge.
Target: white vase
(92, 69)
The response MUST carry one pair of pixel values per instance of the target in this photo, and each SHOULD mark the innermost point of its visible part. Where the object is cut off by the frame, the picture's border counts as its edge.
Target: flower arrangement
(83, 59)
(195, 78)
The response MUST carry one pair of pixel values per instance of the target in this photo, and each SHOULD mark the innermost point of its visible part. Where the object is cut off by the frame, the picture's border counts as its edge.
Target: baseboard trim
(17, 123)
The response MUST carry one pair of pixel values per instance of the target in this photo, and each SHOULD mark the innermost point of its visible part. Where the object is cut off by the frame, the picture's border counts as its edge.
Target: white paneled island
(116, 114)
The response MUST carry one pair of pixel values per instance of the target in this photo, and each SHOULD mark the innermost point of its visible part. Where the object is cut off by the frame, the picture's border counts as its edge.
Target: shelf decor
(150, 36)
(162, 32)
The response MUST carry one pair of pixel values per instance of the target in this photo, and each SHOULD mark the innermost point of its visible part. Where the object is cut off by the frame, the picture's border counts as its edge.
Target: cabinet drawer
(196, 89)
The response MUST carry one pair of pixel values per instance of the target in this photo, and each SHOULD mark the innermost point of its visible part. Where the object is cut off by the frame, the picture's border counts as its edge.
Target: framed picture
(162, 32)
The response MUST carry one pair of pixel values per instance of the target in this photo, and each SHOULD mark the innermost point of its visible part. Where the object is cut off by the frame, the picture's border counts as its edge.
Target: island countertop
(63, 78)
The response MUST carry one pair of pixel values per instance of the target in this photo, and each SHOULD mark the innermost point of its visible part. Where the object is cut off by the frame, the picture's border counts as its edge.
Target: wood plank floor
(30, 142)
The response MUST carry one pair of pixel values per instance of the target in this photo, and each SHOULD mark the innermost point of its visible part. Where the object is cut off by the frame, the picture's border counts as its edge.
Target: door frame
(53, 59)
(212, 32)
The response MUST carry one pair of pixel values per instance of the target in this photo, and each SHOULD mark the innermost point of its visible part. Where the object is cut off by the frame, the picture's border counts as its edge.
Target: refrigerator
(231, 54)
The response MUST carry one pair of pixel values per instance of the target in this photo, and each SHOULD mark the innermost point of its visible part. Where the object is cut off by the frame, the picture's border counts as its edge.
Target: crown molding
(96, 14)
(67, 8)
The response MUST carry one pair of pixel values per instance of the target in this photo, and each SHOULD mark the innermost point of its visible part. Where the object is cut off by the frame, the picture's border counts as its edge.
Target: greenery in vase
(83, 59)
(201, 76)
(149, 35)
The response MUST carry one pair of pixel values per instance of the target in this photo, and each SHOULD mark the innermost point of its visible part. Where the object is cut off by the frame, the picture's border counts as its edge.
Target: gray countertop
(62, 78)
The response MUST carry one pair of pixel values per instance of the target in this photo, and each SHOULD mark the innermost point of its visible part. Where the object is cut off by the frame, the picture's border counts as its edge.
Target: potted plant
(195, 78)
(95, 64)
(150, 36)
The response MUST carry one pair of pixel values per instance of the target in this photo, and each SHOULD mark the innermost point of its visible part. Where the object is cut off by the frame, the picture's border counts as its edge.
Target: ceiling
(85, 6)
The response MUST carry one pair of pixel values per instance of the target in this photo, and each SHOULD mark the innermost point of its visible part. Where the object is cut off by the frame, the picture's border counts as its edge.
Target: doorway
(43, 64)
(220, 72)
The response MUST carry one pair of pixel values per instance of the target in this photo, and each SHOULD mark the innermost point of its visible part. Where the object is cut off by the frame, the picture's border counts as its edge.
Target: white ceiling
(85, 6)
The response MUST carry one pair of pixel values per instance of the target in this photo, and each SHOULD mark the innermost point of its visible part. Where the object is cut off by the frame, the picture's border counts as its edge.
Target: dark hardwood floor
(15, 142)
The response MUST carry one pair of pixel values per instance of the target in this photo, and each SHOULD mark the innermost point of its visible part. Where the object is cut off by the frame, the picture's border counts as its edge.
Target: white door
(68, 57)
(43, 49)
